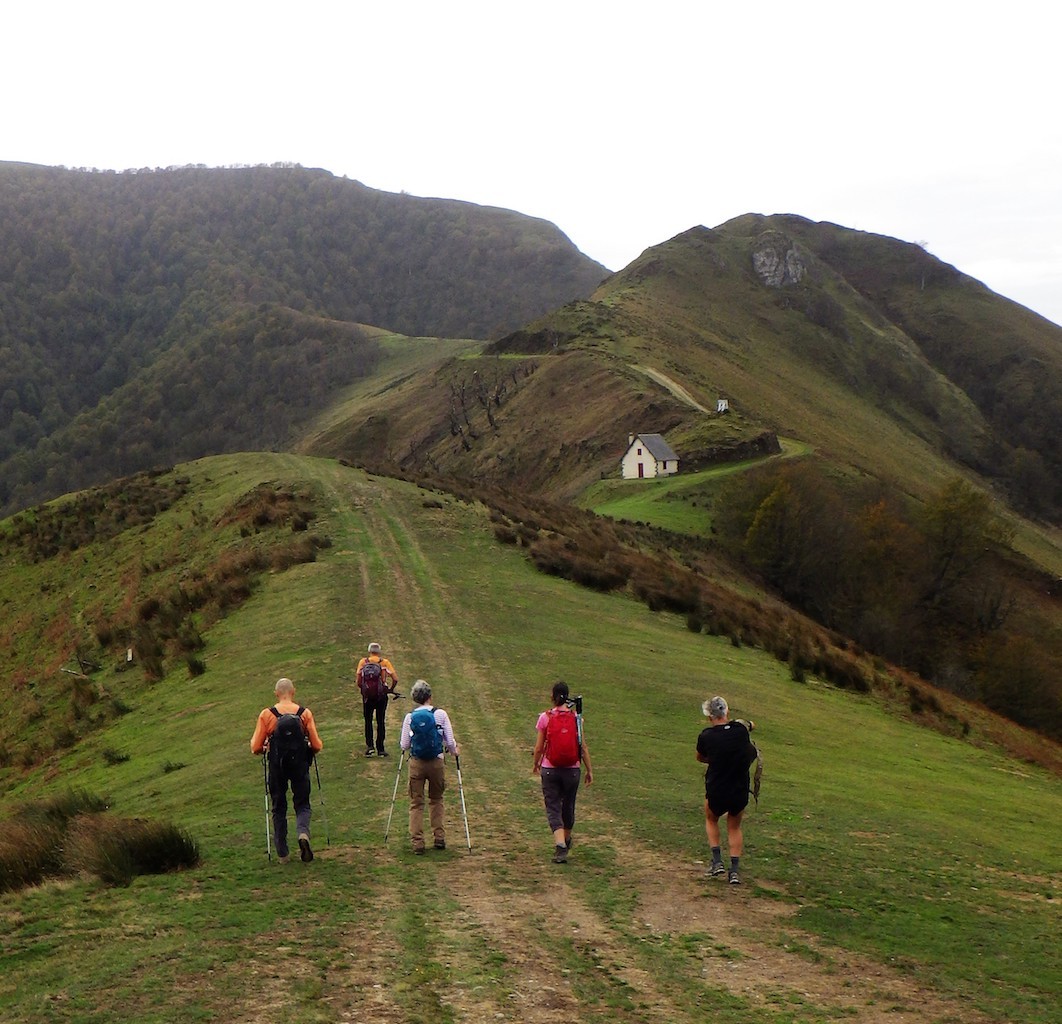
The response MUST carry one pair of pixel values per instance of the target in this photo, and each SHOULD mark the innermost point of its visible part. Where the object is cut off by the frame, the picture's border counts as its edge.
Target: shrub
(189, 638)
(82, 696)
(119, 707)
(116, 850)
(31, 847)
(148, 609)
(295, 553)
(64, 807)
(71, 833)
(505, 534)
(28, 853)
(63, 737)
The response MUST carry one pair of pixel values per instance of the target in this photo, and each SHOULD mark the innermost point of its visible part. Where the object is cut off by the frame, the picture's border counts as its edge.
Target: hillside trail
(526, 911)
(673, 386)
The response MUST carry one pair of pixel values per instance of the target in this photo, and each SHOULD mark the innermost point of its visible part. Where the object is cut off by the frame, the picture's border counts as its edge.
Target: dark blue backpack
(425, 734)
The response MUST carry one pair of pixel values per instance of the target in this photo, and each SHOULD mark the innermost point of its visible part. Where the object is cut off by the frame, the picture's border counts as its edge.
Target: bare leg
(711, 825)
(734, 839)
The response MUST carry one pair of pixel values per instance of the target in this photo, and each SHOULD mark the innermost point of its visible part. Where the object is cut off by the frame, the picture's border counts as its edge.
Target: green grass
(680, 503)
(877, 838)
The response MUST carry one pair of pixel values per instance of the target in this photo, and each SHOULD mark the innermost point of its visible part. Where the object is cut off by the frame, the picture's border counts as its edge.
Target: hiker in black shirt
(726, 748)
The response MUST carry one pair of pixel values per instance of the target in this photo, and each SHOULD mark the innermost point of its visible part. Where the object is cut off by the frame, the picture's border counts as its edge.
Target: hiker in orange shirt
(287, 735)
(374, 671)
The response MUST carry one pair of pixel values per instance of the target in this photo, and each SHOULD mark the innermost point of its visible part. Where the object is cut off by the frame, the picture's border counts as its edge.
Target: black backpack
(288, 745)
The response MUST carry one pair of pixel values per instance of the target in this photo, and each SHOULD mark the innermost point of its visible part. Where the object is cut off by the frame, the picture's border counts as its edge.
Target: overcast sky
(623, 123)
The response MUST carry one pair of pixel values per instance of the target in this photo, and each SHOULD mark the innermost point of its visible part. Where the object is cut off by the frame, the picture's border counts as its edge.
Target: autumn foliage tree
(929, 588)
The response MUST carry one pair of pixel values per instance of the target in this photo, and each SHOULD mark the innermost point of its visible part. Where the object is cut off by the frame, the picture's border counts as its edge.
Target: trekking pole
(320, 794)
(394, 795)
(461, 790)
(265, 779)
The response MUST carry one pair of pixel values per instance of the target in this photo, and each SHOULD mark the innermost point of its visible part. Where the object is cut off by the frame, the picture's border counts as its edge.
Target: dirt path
(496, 897)
(674, 387)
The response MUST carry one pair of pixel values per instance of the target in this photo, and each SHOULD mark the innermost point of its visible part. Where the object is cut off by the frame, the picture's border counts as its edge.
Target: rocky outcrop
(777, 261)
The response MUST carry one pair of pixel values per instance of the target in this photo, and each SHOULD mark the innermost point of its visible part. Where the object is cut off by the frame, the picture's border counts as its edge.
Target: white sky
(624, 123)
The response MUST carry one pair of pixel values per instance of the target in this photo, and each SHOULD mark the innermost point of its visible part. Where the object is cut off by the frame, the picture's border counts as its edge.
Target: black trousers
(280, 777)
(375, 708)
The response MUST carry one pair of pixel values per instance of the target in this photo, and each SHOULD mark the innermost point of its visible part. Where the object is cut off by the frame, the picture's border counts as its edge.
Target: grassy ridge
(870, 843)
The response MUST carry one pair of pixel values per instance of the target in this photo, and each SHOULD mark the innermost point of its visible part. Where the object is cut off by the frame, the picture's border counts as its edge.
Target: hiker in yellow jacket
(376, 683)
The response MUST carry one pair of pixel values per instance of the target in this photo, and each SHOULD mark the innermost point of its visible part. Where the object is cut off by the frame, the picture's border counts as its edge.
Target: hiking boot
(418, 850)
(284, 858)
(369, 752)
(382, 753)
(733, 877)
(717, 868)
(560, 855)
(440, 844)
(304, 848)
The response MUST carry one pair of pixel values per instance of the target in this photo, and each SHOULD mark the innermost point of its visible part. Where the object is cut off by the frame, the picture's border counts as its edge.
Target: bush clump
(72, 834)
(116, 850)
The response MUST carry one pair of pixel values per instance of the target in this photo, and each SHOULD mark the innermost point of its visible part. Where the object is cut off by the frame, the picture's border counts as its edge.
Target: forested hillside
(190, 311)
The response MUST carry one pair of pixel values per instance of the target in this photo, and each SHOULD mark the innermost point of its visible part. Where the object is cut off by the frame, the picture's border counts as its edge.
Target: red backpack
(562, 738)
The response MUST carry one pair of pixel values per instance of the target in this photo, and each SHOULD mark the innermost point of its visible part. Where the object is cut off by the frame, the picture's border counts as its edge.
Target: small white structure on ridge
(648, 455)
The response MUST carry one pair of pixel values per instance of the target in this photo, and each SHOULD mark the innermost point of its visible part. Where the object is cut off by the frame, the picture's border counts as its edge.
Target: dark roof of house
(657, 446)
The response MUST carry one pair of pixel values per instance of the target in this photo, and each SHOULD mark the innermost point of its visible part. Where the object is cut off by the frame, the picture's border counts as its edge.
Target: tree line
(933, 588)
(114, 286)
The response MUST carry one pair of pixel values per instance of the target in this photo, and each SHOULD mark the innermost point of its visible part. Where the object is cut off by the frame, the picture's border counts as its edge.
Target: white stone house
(648, 455)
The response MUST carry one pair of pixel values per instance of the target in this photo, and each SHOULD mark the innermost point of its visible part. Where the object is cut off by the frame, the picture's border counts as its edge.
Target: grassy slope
(876, 888)
(403, 358)
(725, 336)
(862, 395)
